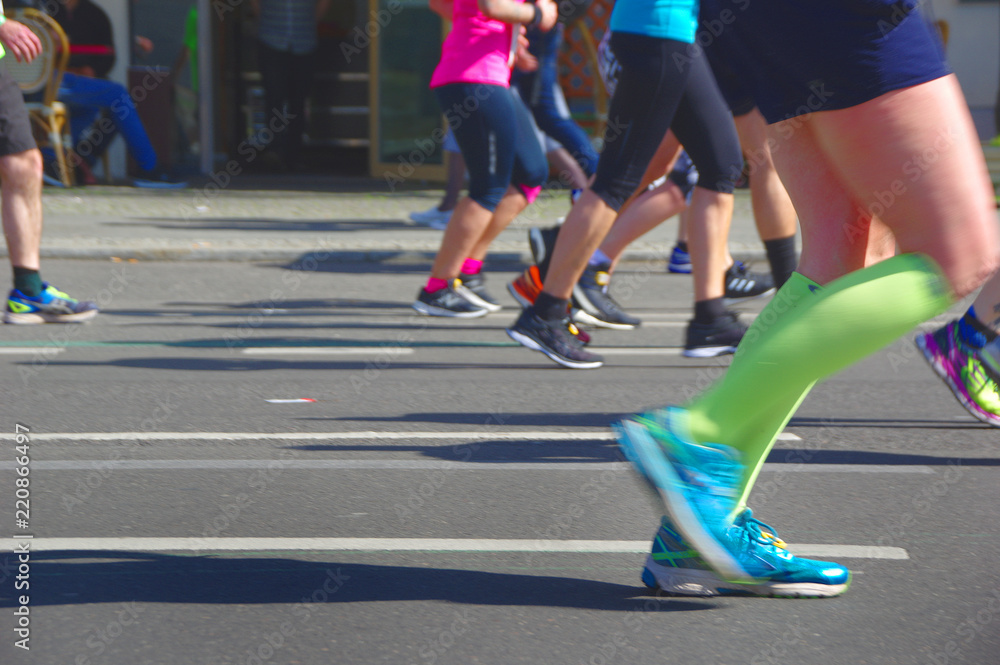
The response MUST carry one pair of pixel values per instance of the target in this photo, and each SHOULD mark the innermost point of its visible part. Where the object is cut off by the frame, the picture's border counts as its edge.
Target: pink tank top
(477, 50)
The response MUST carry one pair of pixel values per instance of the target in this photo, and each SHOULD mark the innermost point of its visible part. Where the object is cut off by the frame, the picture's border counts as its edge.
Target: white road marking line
(664, 324)
(477, 435)
(24, 350)
(416, 465)
(327, 350)
(408, 545)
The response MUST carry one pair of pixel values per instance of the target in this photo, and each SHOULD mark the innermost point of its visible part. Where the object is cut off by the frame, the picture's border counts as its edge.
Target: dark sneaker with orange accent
(556, 339)
(526, 287)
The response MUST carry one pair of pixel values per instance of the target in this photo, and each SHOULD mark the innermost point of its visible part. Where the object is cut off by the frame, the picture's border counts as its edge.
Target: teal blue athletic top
(665, 19)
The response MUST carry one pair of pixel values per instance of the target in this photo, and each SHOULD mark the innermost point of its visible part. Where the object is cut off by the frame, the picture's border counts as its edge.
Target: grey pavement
(284, 217)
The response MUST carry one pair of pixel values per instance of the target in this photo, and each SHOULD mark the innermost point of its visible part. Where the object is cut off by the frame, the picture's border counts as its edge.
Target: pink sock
(472, 266)
(531, 193)
(434, 285)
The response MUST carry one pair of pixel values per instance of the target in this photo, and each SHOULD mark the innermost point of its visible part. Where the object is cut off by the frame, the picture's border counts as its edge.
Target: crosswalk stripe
(407, 545)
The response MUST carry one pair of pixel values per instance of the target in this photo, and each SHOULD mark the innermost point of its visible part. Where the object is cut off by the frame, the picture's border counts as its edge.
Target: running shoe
(526, 287)
(741, 284)
(543, 243)
(972, 374)
(698, 485)
(680, 262)
(52, 306)
(473, 289)
(556, 339)
(721, 337)
(595, 306)
(448, 301)
(677, 568)
(433, 217)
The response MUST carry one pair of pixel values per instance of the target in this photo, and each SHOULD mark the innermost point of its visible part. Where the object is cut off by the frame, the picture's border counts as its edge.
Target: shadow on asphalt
(86, 577)
(493, 452)
(887, 423)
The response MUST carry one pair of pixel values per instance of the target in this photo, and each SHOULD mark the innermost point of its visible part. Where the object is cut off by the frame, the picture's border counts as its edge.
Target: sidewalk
(283, 218)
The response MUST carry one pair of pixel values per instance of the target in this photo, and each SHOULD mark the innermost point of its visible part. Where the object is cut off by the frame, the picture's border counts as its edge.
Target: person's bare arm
(509, 11)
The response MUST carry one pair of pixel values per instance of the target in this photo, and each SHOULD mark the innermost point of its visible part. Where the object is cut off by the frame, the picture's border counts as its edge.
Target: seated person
(99, 109)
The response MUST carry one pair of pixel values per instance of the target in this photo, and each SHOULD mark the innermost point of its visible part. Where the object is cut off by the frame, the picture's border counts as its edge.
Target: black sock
(781, 256)
(707, 311)
(28, 281)
(550, 308)
(683, 246)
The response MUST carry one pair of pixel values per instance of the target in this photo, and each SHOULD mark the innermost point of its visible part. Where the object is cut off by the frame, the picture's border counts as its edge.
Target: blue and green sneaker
(677, 568)
(698, 485)
(52, 306)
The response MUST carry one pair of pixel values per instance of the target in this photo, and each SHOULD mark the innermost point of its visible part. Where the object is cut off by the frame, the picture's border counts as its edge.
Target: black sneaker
(742, 284)
(542, 243)
(595, 306)
(473, 289)
(707, 340)
(447, 302)
(556, 339)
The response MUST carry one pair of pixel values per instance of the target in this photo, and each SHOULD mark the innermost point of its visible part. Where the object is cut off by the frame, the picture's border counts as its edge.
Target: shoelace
(763, 533)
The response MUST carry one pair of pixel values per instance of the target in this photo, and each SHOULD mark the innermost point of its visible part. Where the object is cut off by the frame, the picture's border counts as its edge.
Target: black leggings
(664, 84)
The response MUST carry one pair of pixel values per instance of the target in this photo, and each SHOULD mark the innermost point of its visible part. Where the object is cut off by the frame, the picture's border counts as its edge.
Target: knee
(720, 176)
(21, 168)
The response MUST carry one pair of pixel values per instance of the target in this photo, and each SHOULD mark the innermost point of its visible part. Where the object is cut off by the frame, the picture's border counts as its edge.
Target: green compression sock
(781, 357)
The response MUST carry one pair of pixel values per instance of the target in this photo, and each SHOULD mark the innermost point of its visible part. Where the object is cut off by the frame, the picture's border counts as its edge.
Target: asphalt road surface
(250, 463)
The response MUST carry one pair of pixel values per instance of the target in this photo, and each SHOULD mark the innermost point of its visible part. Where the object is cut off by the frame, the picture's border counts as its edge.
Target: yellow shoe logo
(17, 307)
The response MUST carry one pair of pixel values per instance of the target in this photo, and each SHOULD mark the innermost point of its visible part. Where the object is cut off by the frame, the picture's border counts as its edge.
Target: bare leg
(648, 211)
(21, 207)
(927, 181)
(987, 303)
(772, 208)
(587, 224)
(510, 206)
(711, 213)
(467, 225)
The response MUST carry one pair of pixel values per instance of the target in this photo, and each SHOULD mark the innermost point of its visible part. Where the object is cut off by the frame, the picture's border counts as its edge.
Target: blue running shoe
(53, 306)
(696, 483)
(677, 568)
(680, 262)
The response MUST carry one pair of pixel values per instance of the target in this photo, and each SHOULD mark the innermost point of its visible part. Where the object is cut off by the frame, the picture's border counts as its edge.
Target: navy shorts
(494, 132)
(801, 56)
(736, 92)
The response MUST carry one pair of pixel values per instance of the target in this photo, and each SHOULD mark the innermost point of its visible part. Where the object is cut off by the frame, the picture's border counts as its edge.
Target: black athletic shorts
(15, 125)
(801, 56)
